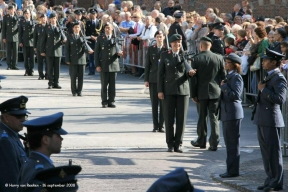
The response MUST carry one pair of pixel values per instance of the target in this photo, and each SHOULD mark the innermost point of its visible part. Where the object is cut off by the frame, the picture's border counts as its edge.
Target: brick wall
(267, 8)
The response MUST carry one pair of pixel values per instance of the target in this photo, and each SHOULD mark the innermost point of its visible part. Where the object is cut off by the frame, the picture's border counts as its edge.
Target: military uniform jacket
(12, 158)
(105, 55)
(210, 72)
(172, 31)
(93, 28)
(51, 43)
(75, 50)
(33, 165)
(26, 30)
(172, 76)
(38, 35)
(268, 111)
(10, 28)
(152, 62)
(217, 45)
(231, 108)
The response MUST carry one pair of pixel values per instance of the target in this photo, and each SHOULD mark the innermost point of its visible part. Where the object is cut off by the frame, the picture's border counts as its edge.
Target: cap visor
(19, 112)
(265, 57)
(60, 132)
(2, 77)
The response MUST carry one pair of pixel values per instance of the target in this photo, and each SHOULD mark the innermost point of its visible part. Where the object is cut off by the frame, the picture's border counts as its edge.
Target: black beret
(158, 33)
(206, 39)
(234, 58)
(219, 25)
(15, 106)
(42, 15)
(175, 37)
(273, 55)
(67, 12)
(10, 7)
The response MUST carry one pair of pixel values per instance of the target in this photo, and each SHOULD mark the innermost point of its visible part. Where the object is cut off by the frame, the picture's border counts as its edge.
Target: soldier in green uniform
(38, 35)
(150, 78)
(26, 30)
(76, 58)
(10, 37)
(107, 64)
(51, 47)
(173, 89)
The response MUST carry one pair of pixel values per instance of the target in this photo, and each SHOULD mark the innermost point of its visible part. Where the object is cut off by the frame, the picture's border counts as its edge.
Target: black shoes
(161, 130)
(170, 150)
(8, 68)
(195, 144)
(74, 94)
(262, 187)
(226, 175)
(14, 68)
(178, 150)
(49, 87)
(40, 78)
(154, 130)
(104, 106)
(212, 148)
(269, 188)
(111, 105)
(79, 94)
(57, 87)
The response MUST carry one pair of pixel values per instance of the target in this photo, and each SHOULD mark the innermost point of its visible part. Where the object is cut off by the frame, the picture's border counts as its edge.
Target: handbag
(256, 65)
(244, 64)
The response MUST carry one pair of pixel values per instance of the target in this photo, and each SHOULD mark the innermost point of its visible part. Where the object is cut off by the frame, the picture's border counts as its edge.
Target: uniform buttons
(166, 81)
(266, 107)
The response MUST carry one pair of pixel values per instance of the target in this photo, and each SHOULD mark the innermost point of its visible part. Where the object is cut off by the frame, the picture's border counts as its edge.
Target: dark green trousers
(76, 71)
(53, 65)
(108, 81)
(156, 102)
(29, 60)
(12, 54)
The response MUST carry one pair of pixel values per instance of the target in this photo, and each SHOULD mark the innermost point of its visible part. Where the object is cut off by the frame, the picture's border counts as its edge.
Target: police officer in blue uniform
(269, 120)
(217, 43)
(44, 138)
(150, 78)
(13, 155)
(232, 113)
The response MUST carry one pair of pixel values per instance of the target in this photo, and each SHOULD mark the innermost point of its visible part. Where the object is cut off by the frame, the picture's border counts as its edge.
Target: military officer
(107, 64)
(51, 47)
(37, 36)
(78, 17)
(26, 30)
(10, 37)
(44, 138)
(76, 58)
(173, 89)
(232, 113)
(13, 155)
(176, 27)
(269, 120)
(93, 28)
(205, 92)
(217, 43)
(150, 78)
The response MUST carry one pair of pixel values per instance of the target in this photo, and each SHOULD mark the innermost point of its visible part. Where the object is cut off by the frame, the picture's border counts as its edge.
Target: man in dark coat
(150, 78)
(176, 27)
(217, 43)
(107, 64)
(13, 155)
(269, 120)
(205, 91)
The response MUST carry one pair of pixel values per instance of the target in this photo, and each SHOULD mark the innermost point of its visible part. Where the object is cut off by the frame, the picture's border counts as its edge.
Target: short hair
(260, 24)
(229, 40)
(229, 16)
(282, 32)
(284, 44)
(205, 44)
(269, 28)
(260, 32)
(242, 33)
(216, 11)
(279, 19)
(249, 12)
(35, 138)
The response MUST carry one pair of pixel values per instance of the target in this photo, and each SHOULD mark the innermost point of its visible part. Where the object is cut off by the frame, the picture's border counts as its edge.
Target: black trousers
(12, 54)
(40, 62)
(175, 107)
(76, 71)
(231, 134)
(29, 60)
(156, 102)
(108, 81)
(53, 65)
(270, 146)
(208, 106)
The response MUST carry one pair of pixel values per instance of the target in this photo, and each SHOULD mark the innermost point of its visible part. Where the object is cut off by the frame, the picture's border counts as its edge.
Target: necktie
(136, 27)
(108, 37)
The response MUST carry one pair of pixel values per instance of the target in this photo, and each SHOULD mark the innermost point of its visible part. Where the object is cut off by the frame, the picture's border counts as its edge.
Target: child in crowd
(229, 45)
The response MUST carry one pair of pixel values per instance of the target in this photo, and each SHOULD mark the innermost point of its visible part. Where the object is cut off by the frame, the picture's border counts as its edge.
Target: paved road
(115, 147)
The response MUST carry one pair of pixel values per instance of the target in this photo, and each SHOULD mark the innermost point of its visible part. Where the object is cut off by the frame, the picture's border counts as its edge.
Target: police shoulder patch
(4, 135)
(39, 166)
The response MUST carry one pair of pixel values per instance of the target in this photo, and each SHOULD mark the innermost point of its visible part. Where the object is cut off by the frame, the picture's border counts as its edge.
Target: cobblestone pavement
(115, 147)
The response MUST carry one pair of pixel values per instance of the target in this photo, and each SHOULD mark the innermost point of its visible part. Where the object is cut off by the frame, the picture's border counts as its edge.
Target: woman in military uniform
(232, 113)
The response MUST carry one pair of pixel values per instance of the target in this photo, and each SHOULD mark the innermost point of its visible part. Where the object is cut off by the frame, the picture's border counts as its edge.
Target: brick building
(267, 8)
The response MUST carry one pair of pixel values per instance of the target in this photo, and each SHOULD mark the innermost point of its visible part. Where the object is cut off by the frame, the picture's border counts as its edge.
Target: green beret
(175, 37)
(206, 39)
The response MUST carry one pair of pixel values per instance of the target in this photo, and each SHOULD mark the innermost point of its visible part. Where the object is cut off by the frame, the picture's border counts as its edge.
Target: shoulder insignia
(39, 166)
(159, 62)
(154, 46)
(281, 85)
(237, 83)
(49, 26)
(4, 135)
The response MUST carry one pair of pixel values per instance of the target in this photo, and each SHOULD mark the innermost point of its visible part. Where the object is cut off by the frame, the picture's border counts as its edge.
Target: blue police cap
(2, 77)
(15, 106)
(234, 58)
(175, 37)
(273, 55)
(67, 12)
(78, 12)
(176, 180)
(63, 175)
(46, 123)
(178, 15)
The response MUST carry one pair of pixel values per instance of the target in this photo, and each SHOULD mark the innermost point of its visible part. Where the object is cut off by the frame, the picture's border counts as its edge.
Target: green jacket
(105, 55)
(51, 43)
(152, 62)
(26, 30)
(75, 50)
(10, 28)
(210, 72)
(37, 36)
(172, 76)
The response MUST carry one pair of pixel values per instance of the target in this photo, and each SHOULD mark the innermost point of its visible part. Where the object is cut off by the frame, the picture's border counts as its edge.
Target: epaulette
(4, 135)
(39, 165)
